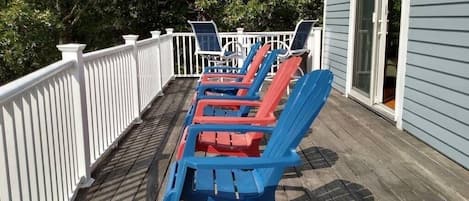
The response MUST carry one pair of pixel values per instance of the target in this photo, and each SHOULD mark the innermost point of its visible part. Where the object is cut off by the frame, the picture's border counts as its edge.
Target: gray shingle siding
(336, 40)
(436, 97)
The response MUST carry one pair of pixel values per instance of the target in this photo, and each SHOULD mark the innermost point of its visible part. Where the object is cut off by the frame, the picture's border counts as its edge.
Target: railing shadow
(313, 158)
(319, 157)
(338, 189)
(131, 171)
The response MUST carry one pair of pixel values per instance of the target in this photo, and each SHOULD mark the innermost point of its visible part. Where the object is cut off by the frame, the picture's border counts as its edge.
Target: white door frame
(382, 23)
(401, 62)
(401, 65)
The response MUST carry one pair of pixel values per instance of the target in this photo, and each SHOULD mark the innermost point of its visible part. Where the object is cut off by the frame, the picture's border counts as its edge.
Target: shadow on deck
(351, 154)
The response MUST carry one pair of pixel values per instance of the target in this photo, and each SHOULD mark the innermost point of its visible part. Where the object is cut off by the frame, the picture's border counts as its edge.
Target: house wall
(436, 96)
(336, 40)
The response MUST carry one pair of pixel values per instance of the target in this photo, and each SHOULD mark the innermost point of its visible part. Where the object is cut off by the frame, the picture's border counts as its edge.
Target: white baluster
(241, 41)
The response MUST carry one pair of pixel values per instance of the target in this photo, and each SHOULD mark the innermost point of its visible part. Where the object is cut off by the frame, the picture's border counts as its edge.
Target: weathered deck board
(351, 154)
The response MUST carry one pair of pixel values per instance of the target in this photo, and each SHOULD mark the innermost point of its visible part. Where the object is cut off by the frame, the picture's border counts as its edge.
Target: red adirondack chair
(241, 144)
(242, 79)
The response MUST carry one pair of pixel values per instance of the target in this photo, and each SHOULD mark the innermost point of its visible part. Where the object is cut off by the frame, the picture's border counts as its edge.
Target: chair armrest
(200, 118)
(298, 52)
(221, 85)
(238, 85)
(201, 104)
(208, 53)
(227, 97)
(195, 129)
(205, 77)
(225, 47)
(235, 120)
(227, 68)
(242, 163)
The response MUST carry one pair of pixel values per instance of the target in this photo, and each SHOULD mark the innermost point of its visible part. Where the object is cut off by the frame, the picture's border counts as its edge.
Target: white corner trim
(401, 63)
(350, 48)
(324, 18)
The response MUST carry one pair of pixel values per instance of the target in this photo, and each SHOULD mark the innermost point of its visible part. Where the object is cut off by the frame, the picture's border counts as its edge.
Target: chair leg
(298, 171)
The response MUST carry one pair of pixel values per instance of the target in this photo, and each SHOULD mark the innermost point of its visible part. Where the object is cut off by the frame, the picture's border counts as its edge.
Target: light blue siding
(336, 40)
(436, 97)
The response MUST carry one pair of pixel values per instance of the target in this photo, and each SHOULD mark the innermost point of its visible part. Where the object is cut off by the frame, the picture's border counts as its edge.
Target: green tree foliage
(27, 40)
(259, 15)
(31, 29)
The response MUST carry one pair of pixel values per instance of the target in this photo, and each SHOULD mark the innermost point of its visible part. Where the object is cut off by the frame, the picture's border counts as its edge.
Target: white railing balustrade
(58, 123)
(110, 100)
(39, 158)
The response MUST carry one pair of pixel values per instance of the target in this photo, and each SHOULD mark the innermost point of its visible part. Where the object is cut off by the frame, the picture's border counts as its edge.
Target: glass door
(364, 47)
(375, 53)
(387, 73)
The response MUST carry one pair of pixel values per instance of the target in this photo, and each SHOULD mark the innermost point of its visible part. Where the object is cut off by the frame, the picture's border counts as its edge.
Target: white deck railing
(188, 64)
(57, 123)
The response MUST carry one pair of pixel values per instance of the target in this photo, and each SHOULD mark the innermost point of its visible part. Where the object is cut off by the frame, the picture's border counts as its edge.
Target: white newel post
(314, 45)
(75, 52)
(169, 31)
(317, 49)
(240, 32)
(132, 40)
(156, 34)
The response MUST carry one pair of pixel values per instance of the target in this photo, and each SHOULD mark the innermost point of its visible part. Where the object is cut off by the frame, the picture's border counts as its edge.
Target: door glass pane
(363, 46)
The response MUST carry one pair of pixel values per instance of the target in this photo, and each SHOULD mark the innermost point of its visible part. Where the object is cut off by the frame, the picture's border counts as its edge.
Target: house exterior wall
(336, 40)
(436, 96)
(436, 82)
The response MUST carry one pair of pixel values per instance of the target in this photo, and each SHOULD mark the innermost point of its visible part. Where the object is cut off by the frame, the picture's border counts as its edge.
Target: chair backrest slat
(257, 61)
(278, 86)
(302, 30)
(302, 107)
(250, 57)
(206, 35)
(259, 79)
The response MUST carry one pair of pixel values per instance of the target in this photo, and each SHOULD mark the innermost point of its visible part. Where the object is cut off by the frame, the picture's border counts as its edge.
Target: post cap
(71, 47)
(130, 37)
(155, 34)
(169, 30)
(240, 29)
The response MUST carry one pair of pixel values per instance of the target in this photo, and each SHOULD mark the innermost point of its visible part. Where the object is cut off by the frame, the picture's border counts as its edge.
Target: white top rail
(247, 32)
(147, 41)
(22, 84)
(267, 33)
(106, 52)
(162, 37)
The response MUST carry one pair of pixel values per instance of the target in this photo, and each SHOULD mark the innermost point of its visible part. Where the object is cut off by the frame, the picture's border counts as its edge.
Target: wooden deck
(351, 154)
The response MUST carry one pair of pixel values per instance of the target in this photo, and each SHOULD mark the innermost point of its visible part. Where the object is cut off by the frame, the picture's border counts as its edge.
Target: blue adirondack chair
(233, 69)
(251, 91)
(245, 78)
(253, 178)
(209, 45)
